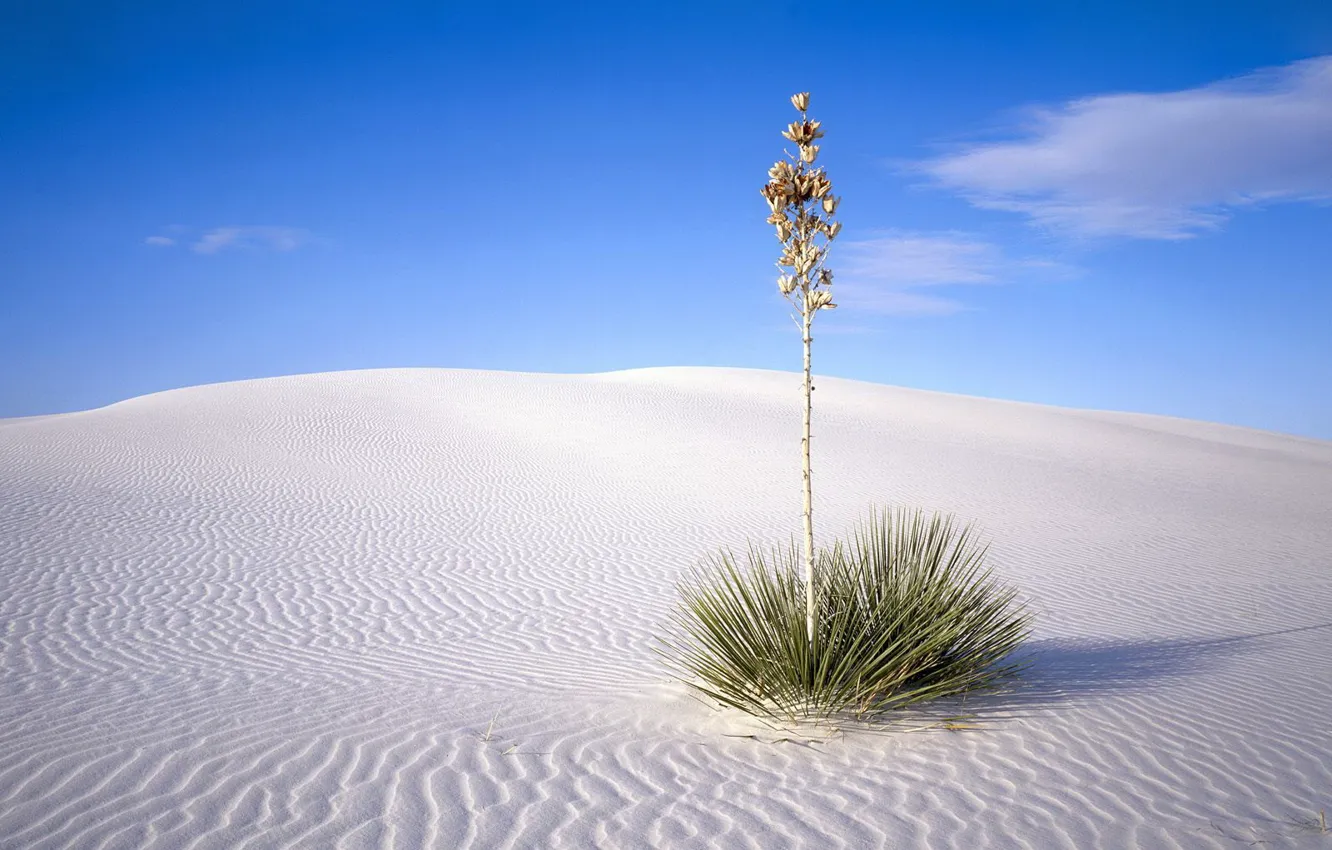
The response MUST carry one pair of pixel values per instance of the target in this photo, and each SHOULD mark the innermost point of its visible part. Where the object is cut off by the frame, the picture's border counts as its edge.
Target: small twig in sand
(1256, 838)
(782, 740)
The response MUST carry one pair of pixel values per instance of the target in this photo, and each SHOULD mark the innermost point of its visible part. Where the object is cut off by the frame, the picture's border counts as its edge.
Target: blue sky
(1108, 205)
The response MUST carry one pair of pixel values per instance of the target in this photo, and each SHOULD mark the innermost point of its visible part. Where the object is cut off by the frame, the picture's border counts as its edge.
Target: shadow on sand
(1062, 671)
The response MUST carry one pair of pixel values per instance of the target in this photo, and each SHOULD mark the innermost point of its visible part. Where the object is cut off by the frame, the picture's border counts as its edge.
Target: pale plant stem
(809, 490)
(808, 316)
(799, 241)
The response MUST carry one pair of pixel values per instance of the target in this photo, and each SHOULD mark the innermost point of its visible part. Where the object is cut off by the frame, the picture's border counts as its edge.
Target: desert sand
(415, 608)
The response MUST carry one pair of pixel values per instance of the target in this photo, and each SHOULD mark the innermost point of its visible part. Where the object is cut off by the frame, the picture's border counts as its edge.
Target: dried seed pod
(803, 132)
(807, 259)
(808, 153)
(800, 101)
(818, 300)
(830, 204)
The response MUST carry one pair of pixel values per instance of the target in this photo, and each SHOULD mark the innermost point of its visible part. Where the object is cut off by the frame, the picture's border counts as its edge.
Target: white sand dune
(285, 613)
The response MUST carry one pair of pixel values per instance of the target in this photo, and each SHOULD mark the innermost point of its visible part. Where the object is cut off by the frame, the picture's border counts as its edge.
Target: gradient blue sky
(1108, 205)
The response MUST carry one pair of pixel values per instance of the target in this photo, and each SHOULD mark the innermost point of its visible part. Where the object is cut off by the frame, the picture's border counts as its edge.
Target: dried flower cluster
(802, 204)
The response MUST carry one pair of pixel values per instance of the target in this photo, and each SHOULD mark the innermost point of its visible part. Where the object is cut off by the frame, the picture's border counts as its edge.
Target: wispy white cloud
(262, 237)
(1159, 166)
(250, 236)
(883, 274)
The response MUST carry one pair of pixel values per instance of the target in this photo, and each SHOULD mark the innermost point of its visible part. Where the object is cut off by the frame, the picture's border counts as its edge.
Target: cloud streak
(884, 274)
(1159, 166)
(250, 236)
(234, 237)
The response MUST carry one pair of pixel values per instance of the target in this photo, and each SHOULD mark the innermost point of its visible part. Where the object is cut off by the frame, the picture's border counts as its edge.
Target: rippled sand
(414, 608)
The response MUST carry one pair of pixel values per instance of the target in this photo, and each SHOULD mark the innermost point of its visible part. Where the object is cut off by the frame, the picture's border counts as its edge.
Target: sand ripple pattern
(414, 608)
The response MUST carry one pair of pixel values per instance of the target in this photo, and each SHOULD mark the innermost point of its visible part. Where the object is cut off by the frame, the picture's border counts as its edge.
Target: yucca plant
(904, 612)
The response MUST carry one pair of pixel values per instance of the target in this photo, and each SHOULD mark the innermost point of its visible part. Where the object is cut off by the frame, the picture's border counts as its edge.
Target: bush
(904, 613)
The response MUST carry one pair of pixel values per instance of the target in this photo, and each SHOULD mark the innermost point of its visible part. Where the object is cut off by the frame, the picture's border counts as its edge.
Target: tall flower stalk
(802, 204)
